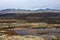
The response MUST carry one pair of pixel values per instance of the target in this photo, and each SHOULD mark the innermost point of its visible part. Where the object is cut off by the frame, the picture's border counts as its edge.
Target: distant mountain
(40, 15)
(28, 11)
(47, 10)
(15, 11)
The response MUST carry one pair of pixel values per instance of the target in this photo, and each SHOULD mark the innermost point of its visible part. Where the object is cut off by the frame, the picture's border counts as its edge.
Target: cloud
(29, 4)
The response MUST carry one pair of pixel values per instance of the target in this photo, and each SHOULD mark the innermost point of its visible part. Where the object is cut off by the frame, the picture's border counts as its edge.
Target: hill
(47, 15)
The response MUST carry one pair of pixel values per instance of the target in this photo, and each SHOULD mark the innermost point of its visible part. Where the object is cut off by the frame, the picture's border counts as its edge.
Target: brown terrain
(35, 24)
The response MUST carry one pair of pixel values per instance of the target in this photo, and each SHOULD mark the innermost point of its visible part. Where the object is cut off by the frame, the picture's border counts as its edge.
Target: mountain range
(40, 15)
(28, 11)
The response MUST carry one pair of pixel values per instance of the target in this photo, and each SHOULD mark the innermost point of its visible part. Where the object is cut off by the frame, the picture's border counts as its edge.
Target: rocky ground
(44, 34)
(28, 37)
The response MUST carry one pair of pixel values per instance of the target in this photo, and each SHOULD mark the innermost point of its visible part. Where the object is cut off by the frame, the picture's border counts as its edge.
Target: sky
(30, 4)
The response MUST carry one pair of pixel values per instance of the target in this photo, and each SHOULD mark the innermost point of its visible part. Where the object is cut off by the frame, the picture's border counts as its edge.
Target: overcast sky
(30, 4)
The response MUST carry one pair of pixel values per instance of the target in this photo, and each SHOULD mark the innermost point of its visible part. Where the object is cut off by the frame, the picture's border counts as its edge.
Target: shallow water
(25, 32)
